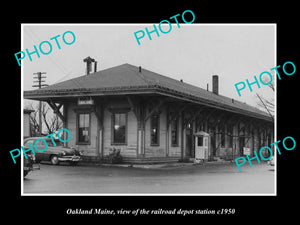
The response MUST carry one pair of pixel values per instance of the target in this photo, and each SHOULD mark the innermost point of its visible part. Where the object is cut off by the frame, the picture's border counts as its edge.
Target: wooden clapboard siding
(175, 150)
(26, 125)
(71, 124)
(164, 149)
(225, 153)
(156, 150)
(130, 148)
(88, 149)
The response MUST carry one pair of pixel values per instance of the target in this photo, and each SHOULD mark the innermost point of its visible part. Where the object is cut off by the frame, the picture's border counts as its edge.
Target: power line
(51, 57)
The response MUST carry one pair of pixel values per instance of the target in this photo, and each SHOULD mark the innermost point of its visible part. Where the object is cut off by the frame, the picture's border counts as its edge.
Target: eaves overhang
(43, 95)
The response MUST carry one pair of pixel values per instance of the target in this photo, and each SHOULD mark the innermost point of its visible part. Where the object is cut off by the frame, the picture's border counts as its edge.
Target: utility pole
(39, 80)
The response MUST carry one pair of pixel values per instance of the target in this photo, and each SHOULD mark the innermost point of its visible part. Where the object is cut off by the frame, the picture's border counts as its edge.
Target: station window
(154, 129)
(222, 131)
(174, 132)
(230, 135)
(83, 130)
(119, 123)
(200, 141)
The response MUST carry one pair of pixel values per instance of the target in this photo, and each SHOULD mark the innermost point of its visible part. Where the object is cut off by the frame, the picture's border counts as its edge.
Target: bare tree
(53, 123)
(34, 124)
(267, 104)
(50, 121)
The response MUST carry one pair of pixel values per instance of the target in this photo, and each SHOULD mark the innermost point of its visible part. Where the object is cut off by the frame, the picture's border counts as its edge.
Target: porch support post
(156, 108)
(137, 107)
(99, 111)
(194, 117)
(182, 147)
(56, 110)
(177, 113)
(141, 131)
(167, 130)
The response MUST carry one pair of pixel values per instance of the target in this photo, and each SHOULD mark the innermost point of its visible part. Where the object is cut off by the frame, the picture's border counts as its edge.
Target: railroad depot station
(153, 118)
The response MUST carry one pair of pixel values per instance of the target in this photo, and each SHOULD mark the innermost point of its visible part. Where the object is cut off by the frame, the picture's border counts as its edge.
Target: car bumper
(31, 168)
(73, 158)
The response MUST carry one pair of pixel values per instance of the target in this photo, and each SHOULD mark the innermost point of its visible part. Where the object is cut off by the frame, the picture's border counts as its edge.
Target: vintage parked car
(29, 164)
(54, 154)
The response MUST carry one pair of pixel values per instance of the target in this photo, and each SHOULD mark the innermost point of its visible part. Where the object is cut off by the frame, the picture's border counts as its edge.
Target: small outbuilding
(26, 122)
(202, 142)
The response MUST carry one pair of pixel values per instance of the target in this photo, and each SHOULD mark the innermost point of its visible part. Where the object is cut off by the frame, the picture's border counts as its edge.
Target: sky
(193, 52)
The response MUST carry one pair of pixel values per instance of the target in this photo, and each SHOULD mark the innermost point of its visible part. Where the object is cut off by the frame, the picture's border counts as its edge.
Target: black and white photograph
(145, 109)
(131, 112)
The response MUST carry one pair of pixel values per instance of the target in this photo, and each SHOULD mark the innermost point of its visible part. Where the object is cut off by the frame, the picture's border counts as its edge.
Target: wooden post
(142, 131)
(138, 109)
(167, 130)
(99, 111)
(56, 109)
(182, 135)
(65, 122)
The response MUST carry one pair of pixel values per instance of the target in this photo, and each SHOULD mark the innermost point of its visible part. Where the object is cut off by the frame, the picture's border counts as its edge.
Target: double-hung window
(84, 124)
(154, 122)
(174, 132)
(230, 135)
(119, 123)
(222, 131)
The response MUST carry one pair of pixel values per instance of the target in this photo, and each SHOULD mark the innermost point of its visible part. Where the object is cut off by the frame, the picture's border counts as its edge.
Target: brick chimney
(88, 60)
(215, 84)
(95, 66)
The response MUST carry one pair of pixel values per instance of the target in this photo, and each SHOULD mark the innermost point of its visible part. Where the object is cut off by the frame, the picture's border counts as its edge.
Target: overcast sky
(193, 52)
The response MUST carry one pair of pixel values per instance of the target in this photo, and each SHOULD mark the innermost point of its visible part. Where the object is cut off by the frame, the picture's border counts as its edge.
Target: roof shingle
(127, 77)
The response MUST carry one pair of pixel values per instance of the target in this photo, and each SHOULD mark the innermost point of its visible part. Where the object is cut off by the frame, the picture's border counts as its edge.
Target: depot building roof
(128, 79)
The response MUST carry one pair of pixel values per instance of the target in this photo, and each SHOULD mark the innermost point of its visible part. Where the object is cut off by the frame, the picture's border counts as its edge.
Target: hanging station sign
(85, 101)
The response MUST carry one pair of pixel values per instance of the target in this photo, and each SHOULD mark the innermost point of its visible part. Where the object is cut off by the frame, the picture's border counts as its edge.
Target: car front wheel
(54, 160)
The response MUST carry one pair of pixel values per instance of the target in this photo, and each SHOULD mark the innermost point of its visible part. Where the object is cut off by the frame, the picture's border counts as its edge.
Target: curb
(156, 165)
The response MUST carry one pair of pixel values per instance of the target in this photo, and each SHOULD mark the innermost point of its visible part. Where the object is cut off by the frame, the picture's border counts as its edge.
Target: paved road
(201, 179)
